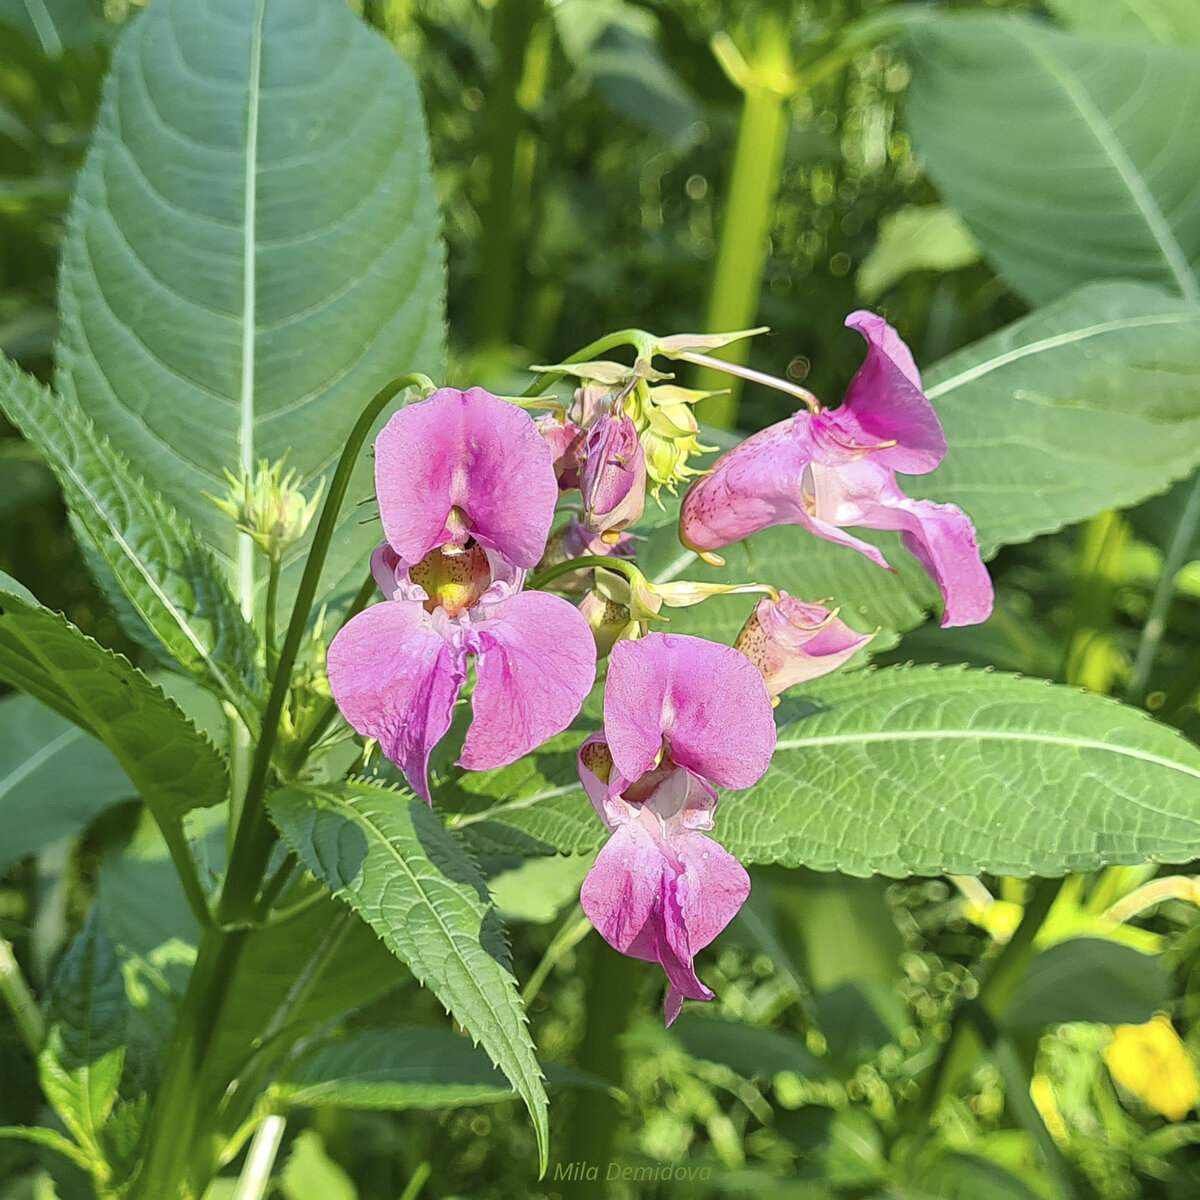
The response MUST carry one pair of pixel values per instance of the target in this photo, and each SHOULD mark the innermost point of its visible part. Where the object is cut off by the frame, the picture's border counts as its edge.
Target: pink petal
(940, 536)
(396, 679)
(884, 402)
(661, 898)
(757, 484)
(473, 451)
(565, 440)
(536, 664)
(792, 642)
(707, 700)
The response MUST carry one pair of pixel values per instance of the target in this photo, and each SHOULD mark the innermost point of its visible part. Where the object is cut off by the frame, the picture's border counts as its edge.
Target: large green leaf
(1167, 22)
(253, 251)
(164, 573)
(922, 771)
(1085, 404)
(80, 1066)
(54, 779)
(394, 862)
(172, 765)
(1070, 159)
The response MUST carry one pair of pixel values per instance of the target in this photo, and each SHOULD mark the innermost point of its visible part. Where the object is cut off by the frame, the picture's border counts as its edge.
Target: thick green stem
(505, 216)
(750, 205)
(612, 985)
(270, 615)
(586, 562)
(182, 1147)
(636, 338)
(1156, 622)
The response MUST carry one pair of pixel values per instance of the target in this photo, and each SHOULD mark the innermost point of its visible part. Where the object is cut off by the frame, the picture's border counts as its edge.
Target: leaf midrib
(37, 760)
(985, 735)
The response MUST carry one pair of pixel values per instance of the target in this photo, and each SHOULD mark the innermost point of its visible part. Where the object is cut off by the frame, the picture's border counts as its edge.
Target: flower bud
(613, 479)
(792, 642)
(270, 507)
(609, 621)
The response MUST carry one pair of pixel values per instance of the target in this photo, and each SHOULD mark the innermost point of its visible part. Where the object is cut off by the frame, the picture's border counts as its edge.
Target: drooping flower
(680, 715)
(792, 642)
(827, 470)
(466, 492)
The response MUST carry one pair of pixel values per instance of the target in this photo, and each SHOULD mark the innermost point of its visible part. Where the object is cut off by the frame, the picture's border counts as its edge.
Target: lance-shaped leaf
(925, 770)
(164, 574)
(1085, 404)
(1070, 159)
(172, 765)
(80, 1066)
(253, 251)
(393, 861)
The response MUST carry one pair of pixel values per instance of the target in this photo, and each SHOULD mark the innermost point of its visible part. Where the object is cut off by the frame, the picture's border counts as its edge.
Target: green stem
(269, 620)
(505, 216)
(419, 1178)
(572, 931)
(20, 1001)
(1156, 622)
(253, 838)
(613, 984)
(586, 562)
(260, 1159)
(753, 189)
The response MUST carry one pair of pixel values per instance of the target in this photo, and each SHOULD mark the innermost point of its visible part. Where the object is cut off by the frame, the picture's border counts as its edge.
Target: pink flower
(613, 478)
(466, 495)
(680, 714)
(575, 540)
(831, 469)
(792, 642)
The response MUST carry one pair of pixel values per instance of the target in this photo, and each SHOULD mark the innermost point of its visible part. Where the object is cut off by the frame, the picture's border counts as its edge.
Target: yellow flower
(1151, 1062)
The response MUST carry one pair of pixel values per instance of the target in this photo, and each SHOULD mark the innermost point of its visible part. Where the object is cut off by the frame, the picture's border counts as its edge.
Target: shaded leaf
(253, 251)
(1089, 172)
(927, 237)
(80, 1066)
(1166, 22)
(54, 779)
(1089, 979)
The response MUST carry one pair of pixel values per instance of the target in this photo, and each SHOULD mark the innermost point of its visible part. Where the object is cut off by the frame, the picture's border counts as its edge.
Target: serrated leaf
(54, 779)
(1086, 404)
(172, 765)
(253, 251)
(167, 577)
(80, 1066)
(1088, 979)
(924, 771)
(1088, 173)
(394, 863)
